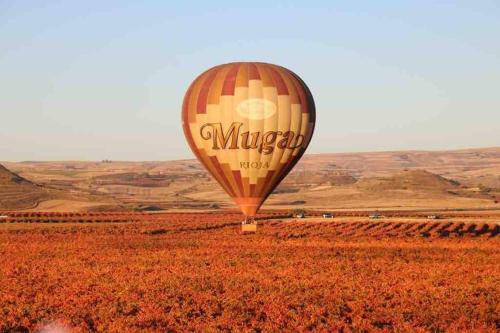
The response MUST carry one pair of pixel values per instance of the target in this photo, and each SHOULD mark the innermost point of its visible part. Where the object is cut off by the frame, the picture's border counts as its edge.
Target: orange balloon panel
(248, 123)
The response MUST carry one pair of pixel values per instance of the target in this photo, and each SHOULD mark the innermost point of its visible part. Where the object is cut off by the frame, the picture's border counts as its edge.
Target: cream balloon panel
(269, 124)
(255, 125)
(240, 94)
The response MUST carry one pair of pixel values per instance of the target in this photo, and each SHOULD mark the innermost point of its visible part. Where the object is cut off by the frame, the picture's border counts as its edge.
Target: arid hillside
(465, 179)
(19, 193)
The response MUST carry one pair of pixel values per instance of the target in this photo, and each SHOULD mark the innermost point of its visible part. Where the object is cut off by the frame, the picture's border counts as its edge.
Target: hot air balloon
(248, 123)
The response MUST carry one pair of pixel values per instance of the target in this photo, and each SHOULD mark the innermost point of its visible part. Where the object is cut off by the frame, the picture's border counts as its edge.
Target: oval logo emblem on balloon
(248, 123)
(256, 108)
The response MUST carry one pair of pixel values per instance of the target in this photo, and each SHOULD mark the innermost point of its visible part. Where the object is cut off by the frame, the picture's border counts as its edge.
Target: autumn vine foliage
(196, 272)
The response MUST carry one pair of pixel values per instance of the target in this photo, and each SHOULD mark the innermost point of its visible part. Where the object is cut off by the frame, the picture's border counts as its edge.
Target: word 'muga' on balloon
(248, 123)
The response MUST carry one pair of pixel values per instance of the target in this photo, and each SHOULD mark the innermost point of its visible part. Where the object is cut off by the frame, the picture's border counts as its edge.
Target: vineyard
(135, 272)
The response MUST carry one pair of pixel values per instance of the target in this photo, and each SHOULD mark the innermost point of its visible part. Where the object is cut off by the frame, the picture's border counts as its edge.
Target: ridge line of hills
(405, 179)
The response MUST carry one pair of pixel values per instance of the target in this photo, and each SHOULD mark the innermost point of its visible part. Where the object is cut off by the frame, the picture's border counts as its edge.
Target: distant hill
(19, 193)
(409, 180)
(398, 179)
(464, 165)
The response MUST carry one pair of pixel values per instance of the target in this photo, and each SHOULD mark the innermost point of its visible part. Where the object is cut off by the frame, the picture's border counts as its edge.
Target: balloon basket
(249, 227)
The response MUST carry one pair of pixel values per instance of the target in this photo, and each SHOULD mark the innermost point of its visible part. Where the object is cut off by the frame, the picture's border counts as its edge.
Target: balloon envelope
(248, 123)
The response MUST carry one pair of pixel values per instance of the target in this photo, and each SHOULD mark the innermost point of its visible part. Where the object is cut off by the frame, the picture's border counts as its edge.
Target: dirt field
(179, 272)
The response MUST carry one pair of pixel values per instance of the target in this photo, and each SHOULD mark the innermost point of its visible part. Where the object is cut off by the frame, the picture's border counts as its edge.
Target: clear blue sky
(89, 80)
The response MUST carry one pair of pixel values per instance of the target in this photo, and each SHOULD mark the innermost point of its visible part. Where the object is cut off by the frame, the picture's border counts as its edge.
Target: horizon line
(306, 154)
